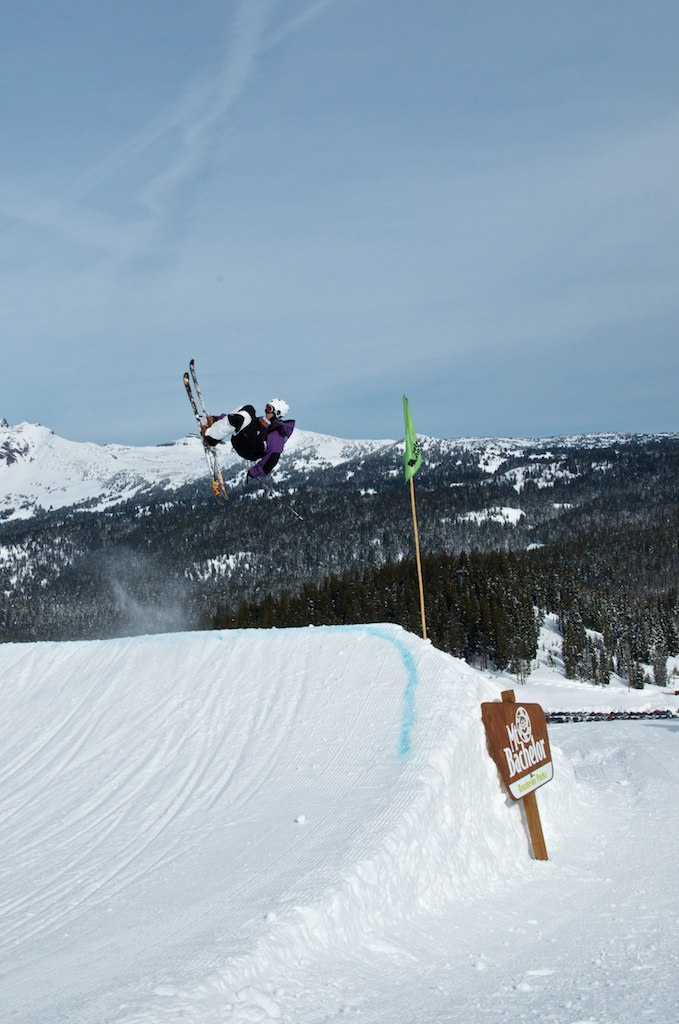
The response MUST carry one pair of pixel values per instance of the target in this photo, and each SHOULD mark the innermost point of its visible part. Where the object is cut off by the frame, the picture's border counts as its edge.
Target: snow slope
(301, 825)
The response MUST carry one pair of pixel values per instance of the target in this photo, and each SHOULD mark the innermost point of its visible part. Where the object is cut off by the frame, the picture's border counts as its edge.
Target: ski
(218, 488)
(210, 453)
(189, 392)
(192, 368)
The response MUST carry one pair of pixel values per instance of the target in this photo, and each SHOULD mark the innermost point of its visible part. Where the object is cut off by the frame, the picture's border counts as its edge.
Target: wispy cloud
(206, 101)
(73, 223)
(295, 24)
(186, 131)
(204, 104)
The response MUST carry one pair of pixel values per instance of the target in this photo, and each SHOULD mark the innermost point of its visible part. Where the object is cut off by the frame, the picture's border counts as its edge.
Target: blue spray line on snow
(408, 716)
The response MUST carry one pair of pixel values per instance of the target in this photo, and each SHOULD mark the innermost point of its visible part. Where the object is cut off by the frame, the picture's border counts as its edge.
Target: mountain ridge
(40, 471)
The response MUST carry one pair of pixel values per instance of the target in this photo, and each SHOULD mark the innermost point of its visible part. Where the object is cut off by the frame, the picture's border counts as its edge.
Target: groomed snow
(304, 826)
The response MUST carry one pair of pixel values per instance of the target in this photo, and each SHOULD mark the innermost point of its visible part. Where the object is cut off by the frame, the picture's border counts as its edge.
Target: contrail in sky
(189, 122)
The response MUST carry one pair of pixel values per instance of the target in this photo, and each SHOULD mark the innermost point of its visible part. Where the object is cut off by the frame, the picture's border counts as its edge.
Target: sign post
(519, 745)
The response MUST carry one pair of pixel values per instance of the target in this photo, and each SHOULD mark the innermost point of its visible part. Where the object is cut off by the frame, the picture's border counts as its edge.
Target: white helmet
(280, 407)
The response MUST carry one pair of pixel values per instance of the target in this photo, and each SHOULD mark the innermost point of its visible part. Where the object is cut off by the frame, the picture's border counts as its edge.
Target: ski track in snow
(304, 825)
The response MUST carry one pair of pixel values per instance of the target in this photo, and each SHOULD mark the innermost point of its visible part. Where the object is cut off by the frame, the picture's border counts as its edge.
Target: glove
(256, 472)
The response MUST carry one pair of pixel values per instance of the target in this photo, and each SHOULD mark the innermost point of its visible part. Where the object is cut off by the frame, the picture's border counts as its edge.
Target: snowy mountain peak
(40, 470)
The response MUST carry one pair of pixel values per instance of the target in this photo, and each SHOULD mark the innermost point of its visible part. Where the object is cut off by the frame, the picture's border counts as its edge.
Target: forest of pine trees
(487, 609)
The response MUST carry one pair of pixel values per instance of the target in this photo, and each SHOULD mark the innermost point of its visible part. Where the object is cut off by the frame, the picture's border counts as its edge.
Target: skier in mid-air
(259, 439)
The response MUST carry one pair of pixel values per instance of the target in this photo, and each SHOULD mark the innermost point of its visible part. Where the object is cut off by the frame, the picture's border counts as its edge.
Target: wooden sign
(517, 734)
(519, 744)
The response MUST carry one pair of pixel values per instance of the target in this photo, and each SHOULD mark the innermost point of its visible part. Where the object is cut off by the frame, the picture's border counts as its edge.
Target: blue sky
(336, 202)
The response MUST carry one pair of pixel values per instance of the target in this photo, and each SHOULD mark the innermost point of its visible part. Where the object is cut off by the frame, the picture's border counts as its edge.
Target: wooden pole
(417, 559)
(530, 808)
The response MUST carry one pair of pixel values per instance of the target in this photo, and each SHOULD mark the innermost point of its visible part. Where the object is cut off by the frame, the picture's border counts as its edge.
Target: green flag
(412, 459)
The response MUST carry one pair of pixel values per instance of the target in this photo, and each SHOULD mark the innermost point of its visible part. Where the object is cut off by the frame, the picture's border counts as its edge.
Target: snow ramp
(187, 818)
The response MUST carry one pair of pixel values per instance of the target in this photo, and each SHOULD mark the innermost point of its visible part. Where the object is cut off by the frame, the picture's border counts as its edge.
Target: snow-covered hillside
(40, 470)
(305, 826)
